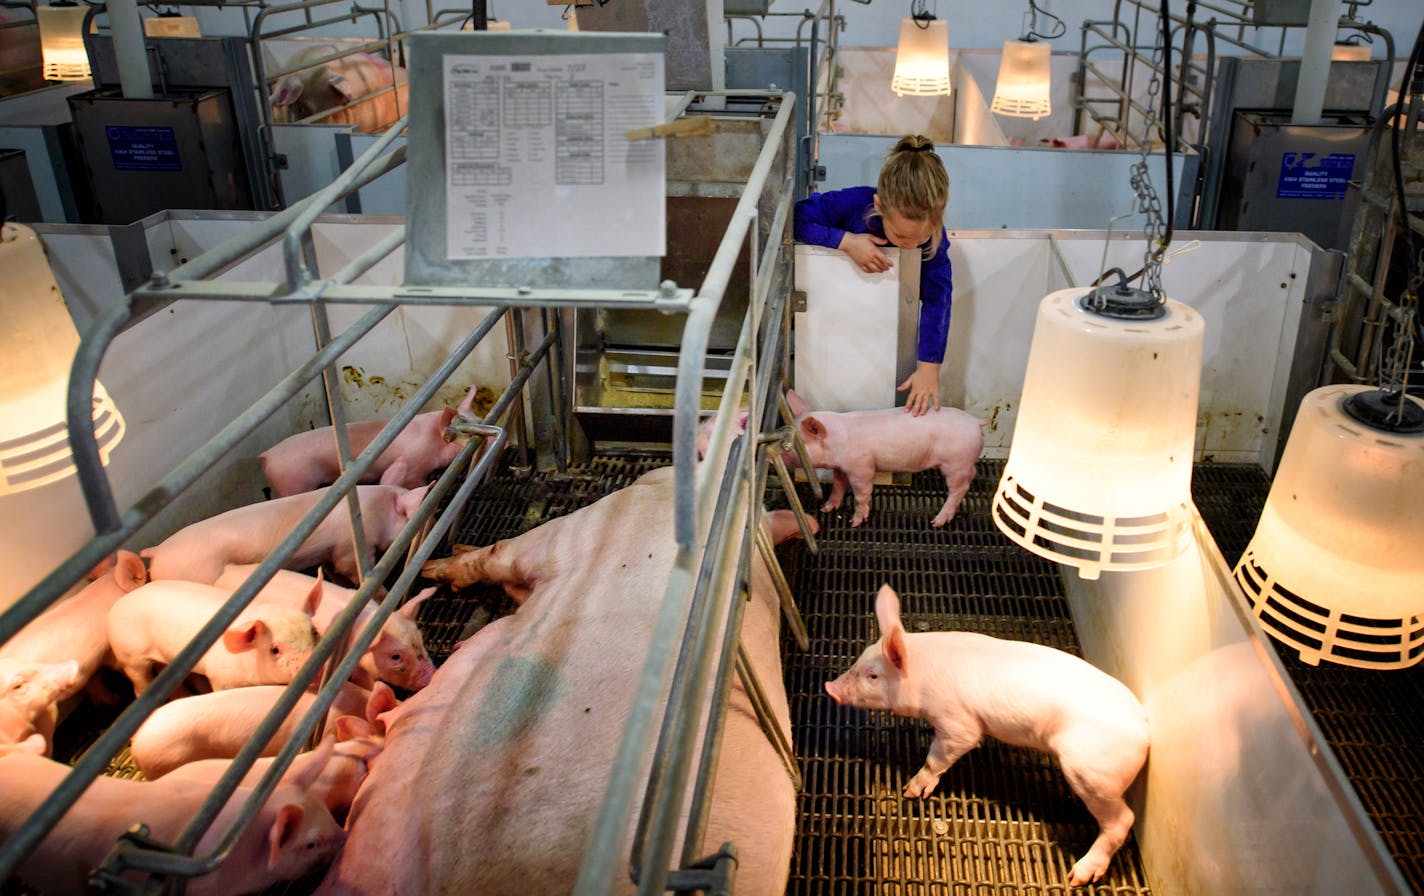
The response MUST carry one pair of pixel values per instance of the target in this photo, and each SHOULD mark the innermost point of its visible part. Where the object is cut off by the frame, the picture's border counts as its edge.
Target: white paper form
(537, 161)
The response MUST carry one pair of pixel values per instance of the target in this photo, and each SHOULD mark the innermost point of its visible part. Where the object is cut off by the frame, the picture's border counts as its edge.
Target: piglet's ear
(243, 637)
(129, 571)
(411, 607)
(892, 631)
(813, 428)
(284, 830)
(795, 402)
(287, 90)
(313, 598)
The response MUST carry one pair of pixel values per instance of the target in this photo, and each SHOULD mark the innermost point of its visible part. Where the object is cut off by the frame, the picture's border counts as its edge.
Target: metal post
(1315, 61)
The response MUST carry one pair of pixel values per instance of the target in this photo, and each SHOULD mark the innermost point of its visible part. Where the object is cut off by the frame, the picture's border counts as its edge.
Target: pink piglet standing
(968, 685)
(858, 444)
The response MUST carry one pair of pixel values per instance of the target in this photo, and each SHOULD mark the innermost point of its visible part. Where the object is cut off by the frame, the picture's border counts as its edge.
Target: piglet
(198, 553)
(292, 835)
(355, 744)
(28, 693)
(858, 444)
(266, 644)
(1102, 140)
(308, 460)
(340, 85)
(217, 725)
(397, 656)
(77, 628)
(968, 685)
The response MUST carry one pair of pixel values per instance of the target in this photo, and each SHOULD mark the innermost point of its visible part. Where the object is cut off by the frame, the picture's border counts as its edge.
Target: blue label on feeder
(143, 149)
(1308, 175)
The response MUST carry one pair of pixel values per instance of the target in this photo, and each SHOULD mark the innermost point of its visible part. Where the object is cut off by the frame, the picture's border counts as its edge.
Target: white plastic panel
(1250, 289)
(845, 341)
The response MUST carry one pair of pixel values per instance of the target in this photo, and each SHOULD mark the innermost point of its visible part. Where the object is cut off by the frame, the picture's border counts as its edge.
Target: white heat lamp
(1099, 471)
(62, 41)
(1336, 567)
(1346, 52)
(39, 344)
(1022, 88)
(922, 58)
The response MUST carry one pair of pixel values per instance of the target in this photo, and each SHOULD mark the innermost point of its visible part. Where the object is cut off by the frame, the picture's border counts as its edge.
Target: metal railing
(702, 581)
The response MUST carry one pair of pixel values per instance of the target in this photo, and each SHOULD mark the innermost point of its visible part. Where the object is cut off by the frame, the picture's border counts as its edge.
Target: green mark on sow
(518, 692)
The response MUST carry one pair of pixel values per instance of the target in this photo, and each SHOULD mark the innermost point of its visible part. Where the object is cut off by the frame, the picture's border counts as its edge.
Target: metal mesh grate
(1371, 718)
(1003, 820)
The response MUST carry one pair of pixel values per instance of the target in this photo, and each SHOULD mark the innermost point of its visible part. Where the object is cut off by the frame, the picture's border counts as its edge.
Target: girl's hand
(924, 389)
(864, 250)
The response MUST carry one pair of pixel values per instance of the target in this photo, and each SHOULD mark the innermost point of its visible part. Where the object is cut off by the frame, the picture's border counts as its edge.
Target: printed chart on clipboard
(519, 154)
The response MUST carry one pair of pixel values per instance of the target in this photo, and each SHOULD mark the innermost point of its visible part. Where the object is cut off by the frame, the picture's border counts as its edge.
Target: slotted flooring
(1372, 719)
(1003, 820)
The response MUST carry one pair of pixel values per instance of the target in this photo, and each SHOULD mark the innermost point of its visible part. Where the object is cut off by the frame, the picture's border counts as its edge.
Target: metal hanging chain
(1148, 203)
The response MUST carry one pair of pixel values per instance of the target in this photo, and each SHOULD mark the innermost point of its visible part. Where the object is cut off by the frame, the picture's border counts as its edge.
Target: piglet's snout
(835, 689)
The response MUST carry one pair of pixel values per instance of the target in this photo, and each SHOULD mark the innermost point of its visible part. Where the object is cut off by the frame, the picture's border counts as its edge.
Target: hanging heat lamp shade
(1344, 52)
(922, 59)
(1336, 567)
(37, 345)
(1022, 88)
(62, 41)
(1099, 471)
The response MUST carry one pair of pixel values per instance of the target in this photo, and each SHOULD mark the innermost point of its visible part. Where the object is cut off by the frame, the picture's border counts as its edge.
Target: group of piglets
(969, 685)
(136, 619)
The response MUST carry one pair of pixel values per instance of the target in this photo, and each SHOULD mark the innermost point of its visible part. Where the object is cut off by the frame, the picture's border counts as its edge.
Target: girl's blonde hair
(914, 184)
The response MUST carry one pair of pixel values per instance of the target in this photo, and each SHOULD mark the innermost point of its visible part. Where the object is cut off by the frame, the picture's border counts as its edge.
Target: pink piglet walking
(968, 685)
(858, 444)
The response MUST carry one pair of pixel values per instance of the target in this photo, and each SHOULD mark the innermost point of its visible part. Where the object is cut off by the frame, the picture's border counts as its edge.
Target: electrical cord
(1031, 32)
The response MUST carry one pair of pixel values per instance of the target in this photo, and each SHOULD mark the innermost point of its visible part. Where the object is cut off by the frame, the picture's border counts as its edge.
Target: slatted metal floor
(1003, 819)
(1373, 720)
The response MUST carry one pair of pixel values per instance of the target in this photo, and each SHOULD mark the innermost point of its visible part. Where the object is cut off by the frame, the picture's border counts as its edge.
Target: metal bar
(165, 863)
(672, 300)
(96, 758)
(452, 511)
(455, 507)
(700, 804)
(761, 705)
(514, 342)
(86, 451)
(783, 587)
(697, 330)
(296, 270)
(604, 843)
(229, 252)
(681, 719)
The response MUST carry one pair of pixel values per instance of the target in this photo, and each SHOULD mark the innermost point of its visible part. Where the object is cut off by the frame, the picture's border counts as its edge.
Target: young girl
(905, 209)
